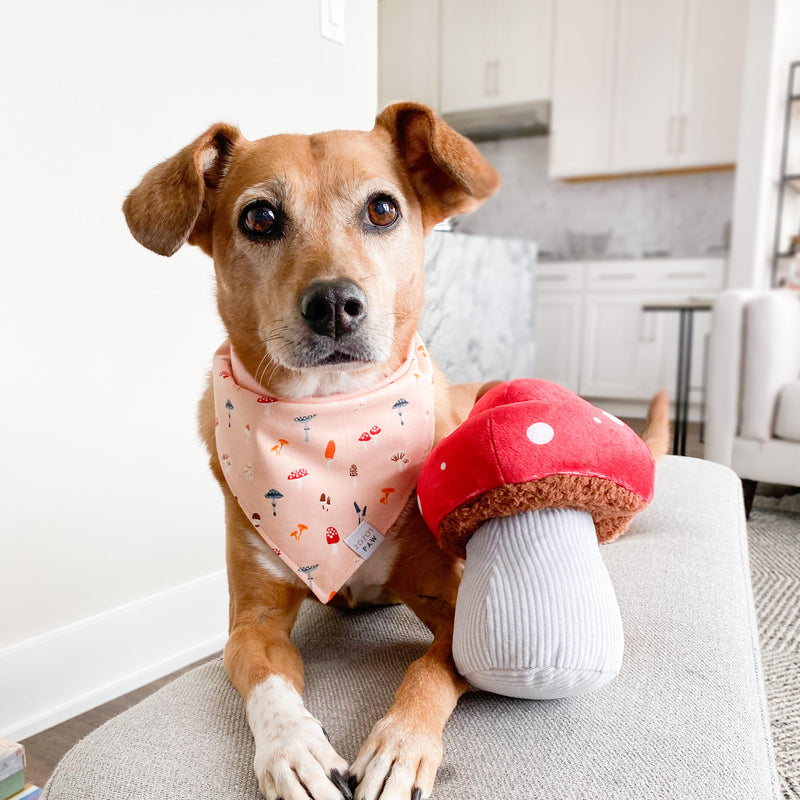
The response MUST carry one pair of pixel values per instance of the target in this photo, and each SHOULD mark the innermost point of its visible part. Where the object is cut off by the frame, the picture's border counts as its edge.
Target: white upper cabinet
(494, 53)
(408, 52)
(712, 82)
(583, 78)
(664, 88)
(647, 90)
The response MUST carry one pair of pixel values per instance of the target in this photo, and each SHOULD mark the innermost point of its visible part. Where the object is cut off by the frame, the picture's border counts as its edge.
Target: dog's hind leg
(400, 758)
(294, 759)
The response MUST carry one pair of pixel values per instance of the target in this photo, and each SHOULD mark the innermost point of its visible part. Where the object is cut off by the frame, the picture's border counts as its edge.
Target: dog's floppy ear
(174, 203)
(449, 175)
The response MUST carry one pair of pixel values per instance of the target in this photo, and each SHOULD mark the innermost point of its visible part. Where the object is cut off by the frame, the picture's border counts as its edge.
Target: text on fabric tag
(364, 540)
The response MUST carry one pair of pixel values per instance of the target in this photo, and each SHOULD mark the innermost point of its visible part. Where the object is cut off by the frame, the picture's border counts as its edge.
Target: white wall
(106, 495)
(773, 42)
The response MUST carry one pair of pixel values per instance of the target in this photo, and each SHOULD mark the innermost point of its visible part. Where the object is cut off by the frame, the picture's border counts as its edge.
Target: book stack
(12, 774)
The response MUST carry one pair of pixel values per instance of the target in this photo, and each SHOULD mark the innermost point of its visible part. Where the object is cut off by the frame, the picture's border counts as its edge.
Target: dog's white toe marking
(293, 759)
(395, 761)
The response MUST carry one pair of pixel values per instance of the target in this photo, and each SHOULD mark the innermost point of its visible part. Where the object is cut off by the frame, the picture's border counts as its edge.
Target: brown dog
(280, 215)
(317, 244)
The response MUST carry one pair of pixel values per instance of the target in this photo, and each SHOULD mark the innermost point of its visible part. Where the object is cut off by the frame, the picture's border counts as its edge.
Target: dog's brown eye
(260, 220)
(382, 211)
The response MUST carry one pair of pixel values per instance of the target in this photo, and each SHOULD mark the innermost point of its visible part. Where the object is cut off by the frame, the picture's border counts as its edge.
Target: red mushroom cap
(365, 437)
(374, 430)
(266, 399)
(332, 535)
(531, 444)
(297, 473)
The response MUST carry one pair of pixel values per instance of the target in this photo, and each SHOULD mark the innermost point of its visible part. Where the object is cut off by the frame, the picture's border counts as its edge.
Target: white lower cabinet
(557, 342)
(597, 340)
(620, 349)
(628, 353)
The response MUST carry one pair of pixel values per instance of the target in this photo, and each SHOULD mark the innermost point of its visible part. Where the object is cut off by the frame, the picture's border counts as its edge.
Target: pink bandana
(323, 479)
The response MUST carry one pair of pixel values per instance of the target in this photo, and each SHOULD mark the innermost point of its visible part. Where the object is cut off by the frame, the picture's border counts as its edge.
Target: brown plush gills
(612, 507)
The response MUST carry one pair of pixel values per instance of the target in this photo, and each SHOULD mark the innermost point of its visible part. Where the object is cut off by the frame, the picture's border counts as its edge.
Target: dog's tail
(656, 426)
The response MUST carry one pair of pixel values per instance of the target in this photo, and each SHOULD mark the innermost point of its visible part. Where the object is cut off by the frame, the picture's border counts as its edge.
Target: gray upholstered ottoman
(685, 719)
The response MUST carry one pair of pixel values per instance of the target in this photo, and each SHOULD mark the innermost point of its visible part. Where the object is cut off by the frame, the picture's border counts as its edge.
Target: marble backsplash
(479, 306)
(682, 215)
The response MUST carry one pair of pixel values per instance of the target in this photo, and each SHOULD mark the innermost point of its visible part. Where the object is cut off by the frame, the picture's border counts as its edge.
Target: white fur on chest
(365, 585)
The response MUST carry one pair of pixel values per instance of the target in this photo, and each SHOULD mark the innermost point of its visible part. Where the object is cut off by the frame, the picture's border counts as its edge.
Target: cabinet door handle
(496, 77)
(671, 134)
(619, 276)
(676, 276)
(487, 79)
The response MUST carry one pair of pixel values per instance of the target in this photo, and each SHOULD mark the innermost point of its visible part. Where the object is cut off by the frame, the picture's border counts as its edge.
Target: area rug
(774, 538)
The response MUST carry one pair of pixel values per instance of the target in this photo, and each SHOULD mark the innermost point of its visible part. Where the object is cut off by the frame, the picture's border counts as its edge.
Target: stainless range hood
(502, 122)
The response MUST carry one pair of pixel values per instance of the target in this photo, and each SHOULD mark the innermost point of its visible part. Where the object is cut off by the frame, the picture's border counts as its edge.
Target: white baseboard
(56, 676)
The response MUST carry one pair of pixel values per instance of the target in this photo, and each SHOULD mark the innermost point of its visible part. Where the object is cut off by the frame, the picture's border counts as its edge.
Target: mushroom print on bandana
(304, 420)
(352, 450)
(399, 406)
(266, 401)
(274, 495)
(332, 538)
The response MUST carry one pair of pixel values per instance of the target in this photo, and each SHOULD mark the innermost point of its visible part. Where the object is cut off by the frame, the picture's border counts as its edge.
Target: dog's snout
(333, 308)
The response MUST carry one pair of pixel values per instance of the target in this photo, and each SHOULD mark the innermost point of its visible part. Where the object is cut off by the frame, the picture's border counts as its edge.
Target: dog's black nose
(333, 308)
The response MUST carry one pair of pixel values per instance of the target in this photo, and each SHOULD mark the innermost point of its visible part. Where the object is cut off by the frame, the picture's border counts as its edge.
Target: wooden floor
(44, 750)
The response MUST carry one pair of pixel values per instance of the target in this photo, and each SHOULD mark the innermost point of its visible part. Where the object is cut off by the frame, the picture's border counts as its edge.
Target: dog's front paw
(397, 762)
(294, 759)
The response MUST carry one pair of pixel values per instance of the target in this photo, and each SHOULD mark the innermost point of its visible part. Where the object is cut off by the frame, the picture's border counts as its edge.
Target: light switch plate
(332, 20)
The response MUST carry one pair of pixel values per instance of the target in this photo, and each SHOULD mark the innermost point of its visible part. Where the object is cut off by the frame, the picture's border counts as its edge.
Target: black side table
(685, 333)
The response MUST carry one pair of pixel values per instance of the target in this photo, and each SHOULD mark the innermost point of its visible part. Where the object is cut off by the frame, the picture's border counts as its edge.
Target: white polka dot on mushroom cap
(443, 465)
(597, 420)
(540, 433)
(613, 418)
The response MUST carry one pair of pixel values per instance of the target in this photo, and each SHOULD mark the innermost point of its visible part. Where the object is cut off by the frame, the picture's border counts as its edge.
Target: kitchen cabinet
(483, 64)
(408, 51)
(665, 87)
(557, 338)
(558, 322)
(583, 83)
(629, 354)
(593, 336)
(712, 82)
(647, 84)
(494, 53)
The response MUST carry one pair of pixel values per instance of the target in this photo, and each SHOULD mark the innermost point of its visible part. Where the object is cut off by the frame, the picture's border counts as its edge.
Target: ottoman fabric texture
(685, 719)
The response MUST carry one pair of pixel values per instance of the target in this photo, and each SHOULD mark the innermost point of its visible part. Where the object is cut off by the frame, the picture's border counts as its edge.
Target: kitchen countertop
(549, 259)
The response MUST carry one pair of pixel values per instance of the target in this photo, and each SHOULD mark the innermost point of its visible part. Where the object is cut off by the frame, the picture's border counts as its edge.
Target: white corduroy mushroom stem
(537, 616)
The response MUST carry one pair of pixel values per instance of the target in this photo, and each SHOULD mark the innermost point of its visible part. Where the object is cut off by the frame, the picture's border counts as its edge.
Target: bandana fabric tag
(364, 540)
(322, 480)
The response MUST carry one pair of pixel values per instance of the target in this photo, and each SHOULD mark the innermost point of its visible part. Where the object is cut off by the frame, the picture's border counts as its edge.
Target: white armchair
(753, 389)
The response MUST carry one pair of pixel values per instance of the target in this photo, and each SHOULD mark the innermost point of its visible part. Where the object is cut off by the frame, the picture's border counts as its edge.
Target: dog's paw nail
(344, 783)
(325, 733)
(416, 794)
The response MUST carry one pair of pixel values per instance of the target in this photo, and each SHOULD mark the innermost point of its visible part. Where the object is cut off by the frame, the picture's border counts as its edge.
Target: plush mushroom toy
(524, 490)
